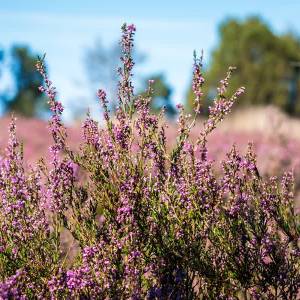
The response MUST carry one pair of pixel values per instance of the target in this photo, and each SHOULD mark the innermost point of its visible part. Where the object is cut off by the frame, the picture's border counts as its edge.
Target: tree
(102, 63)
(27, 99)
(161, 94)
(263, 60)
(1, 59)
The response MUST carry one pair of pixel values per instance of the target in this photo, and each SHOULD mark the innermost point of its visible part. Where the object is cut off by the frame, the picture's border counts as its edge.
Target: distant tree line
(23, 96)
(267, 63)
(101, 67)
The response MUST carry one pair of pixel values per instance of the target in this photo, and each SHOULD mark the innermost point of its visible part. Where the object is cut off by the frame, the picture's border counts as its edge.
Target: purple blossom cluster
(149, 222)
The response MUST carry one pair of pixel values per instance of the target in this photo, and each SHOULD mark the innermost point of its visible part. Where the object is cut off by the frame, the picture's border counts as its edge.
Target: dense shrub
(149, 222)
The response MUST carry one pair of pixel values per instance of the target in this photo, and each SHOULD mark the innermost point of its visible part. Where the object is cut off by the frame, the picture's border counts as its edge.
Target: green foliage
(27, 100)
(263, 60)
(161, 96)
(101, 64)
(1, 59)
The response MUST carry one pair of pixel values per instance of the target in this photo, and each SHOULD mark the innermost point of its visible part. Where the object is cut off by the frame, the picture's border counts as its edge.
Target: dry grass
(267, 120)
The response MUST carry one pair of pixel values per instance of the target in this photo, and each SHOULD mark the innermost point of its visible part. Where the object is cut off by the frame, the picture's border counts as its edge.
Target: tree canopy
(1, 59)
(26, 98)
(264, 62)
(161, 96)
(102, 64)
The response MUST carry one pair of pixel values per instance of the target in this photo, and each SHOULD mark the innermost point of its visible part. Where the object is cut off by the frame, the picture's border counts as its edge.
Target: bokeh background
(80, 40)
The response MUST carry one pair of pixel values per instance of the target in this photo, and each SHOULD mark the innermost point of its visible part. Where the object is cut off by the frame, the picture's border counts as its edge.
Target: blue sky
(167, 32)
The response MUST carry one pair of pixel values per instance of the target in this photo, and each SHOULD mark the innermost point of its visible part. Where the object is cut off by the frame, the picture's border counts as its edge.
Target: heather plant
(150, 222)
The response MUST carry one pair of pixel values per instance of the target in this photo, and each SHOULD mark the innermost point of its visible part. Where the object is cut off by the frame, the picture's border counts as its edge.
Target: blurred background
(80, 39)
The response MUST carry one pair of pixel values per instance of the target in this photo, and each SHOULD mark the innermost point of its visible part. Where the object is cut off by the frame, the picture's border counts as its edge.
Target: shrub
(149, 222)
